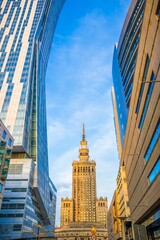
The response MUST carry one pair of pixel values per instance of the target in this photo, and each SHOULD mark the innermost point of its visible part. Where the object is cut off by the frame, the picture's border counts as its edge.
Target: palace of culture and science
(84, 210)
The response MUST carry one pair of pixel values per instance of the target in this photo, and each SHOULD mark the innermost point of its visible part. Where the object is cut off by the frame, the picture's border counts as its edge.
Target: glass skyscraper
(124, 63)
(27, 28)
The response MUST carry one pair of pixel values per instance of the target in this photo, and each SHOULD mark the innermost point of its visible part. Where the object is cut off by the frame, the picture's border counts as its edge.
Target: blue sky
(79, 80)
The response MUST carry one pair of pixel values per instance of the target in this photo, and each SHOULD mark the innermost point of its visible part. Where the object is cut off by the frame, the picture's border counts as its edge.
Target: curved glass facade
(122, 110)
(26, 34)
(124, 63)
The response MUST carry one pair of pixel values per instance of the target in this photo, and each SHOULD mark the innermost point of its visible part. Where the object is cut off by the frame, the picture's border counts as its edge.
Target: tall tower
(27, 28)
(84, 184)
(84, 210)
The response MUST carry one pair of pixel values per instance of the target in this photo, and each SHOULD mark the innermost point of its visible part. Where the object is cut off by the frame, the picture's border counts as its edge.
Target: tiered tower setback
(84, 210)
(84, 184)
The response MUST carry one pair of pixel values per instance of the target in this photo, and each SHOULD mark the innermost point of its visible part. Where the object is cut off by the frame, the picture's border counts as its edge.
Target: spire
(83, 133)
(83, 151)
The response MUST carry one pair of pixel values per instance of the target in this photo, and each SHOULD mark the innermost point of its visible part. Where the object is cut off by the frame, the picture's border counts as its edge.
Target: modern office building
(6, 146)
(140, 153)
(19, 203)
(27, 29)
(20, 211)
(124, 62)
(84, 210)
(53, 201)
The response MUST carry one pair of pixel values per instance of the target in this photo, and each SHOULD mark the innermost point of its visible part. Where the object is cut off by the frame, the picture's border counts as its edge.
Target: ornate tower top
(83, 151)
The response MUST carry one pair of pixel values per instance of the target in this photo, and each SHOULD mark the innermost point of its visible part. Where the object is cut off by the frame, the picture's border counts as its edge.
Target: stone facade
(66, 211)
(81, 231)
(101, 210)
(84, 210)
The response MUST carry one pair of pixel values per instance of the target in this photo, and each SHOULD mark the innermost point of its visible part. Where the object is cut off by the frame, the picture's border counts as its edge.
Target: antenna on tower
(83, 133)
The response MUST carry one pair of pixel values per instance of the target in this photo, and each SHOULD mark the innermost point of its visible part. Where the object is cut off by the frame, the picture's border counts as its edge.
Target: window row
(153, 141)
(16, 189)
(147, 100)
(155, 171)
(13, 206)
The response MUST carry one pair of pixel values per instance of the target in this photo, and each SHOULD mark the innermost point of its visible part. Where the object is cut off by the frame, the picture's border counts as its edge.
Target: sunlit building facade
(84, 185)
(119, 209)
(122, 193)
(27, 29)
(142, 141)
(101, 210)
(66, 211)
(84, 210)
(114, 223)
(140, 155)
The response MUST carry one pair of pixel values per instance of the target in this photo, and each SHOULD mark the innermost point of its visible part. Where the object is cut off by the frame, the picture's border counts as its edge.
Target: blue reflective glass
(129, 27)
(131, 70)
(1, 187)
(129, 91)
(4, 134)
(9, 142)
(153, 142)
(155, 171)
(41, 33)
(119, 95)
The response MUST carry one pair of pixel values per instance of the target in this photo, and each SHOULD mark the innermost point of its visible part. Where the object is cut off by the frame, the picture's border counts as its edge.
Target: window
(158, 11)
(1, 187)
(142, 85)
(16, 189)
(9, 142)
(15, 168)
(17, 227)
(128, 92)
(12, 206)
(2, 144)
(155, 171)
(147, 100)
(153, 142)
(12, 215)
(51, 196)
(8, 152)
(4, 134)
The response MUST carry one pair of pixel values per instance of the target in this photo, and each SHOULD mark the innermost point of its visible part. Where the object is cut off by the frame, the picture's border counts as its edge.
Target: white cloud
(80, 70)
